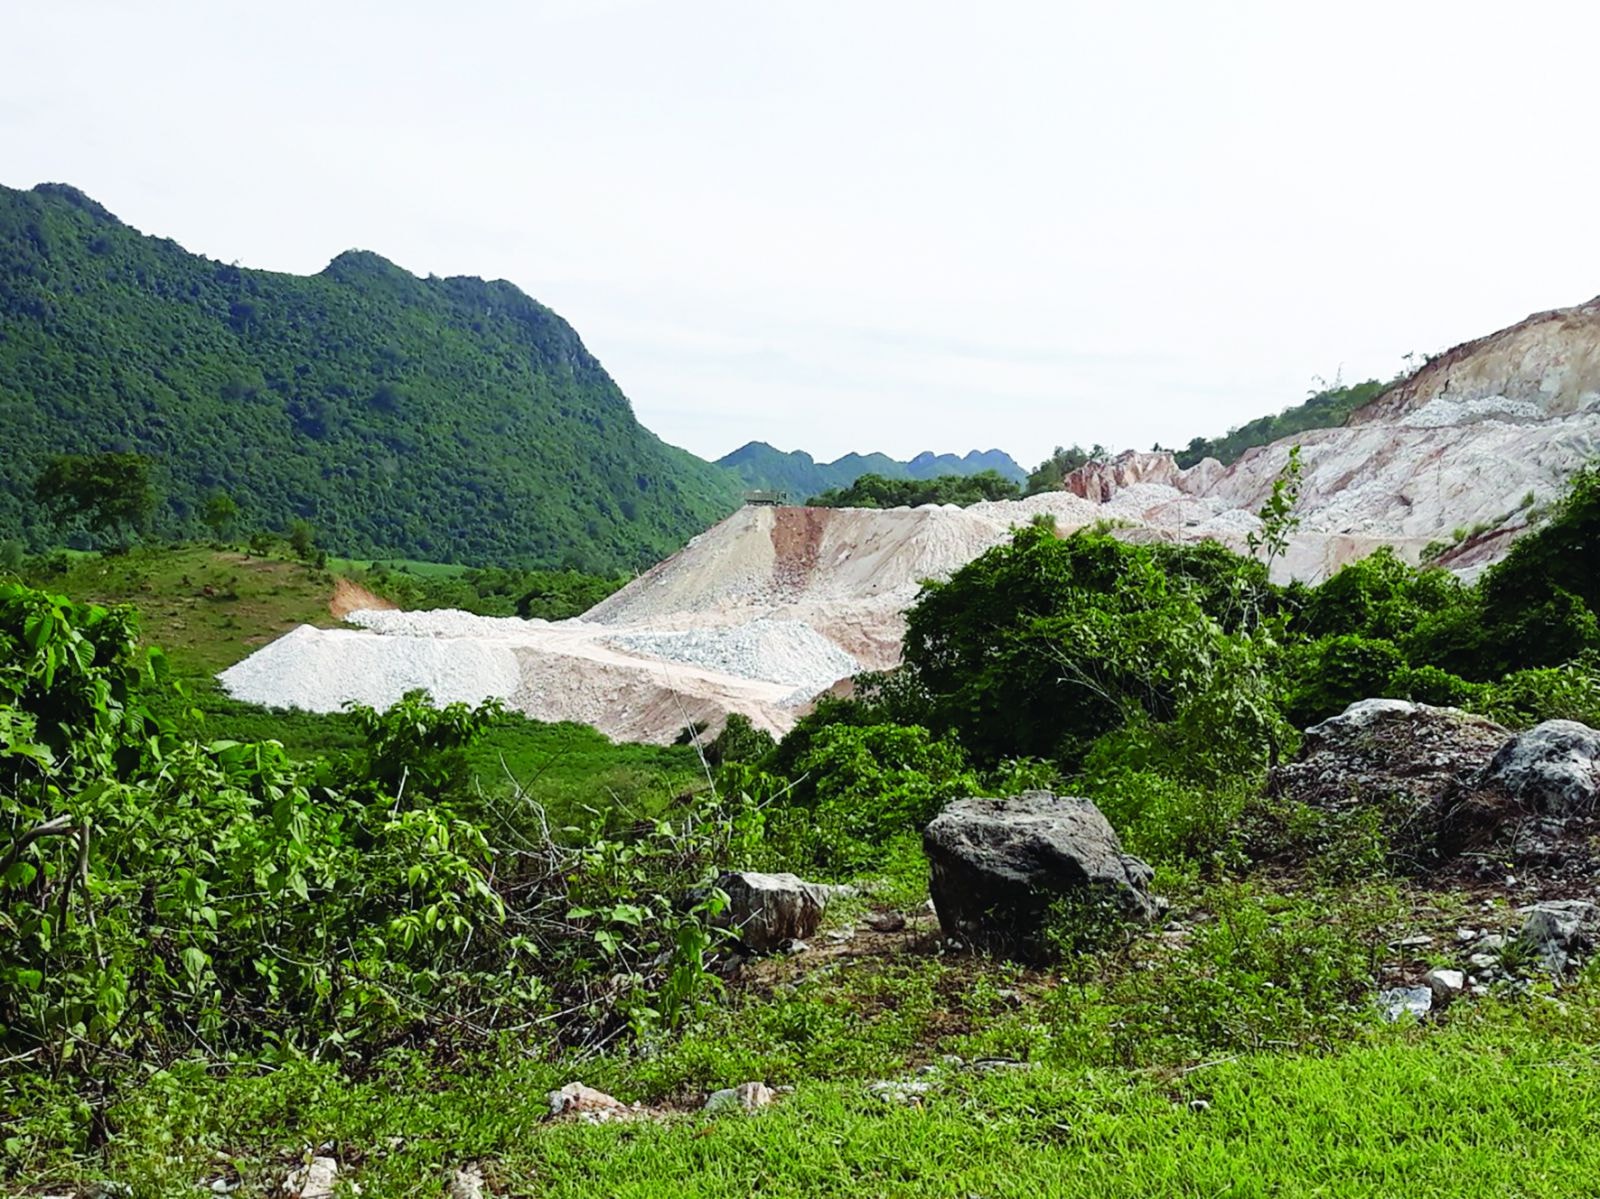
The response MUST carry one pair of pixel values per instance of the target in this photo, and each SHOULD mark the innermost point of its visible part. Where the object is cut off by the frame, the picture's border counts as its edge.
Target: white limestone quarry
(769, 607)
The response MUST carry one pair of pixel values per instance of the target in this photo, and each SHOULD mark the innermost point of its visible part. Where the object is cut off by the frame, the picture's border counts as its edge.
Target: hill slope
(451, 419)
(760, 465)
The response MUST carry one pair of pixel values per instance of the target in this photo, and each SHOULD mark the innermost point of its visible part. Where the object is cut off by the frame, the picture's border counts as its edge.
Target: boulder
(998, 865)
(767, 911)
(1401, 756)
(1552, 769)
(1527, 797)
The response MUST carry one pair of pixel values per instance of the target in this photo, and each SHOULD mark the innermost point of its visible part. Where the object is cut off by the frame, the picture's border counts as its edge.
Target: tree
(219, 513)
(109, 491)
(302, 538)
(1278, 519)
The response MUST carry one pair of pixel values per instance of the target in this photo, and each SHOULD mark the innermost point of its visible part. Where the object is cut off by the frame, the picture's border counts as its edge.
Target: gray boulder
(998, 865)
(1559, 930)
(766, 911)
(1553, 769)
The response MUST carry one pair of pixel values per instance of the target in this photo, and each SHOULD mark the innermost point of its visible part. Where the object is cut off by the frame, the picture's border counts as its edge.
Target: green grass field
(1504, 1102)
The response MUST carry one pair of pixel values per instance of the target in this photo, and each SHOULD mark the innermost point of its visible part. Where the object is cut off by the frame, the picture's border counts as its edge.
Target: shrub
(1329, 675)
(862, 785)
(1040, 646)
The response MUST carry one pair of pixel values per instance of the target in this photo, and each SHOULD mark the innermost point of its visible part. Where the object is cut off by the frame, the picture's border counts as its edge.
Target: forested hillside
(450, 419)
(760, 465)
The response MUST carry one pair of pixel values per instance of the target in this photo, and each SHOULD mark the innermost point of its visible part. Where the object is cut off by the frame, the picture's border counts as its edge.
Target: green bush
(1041, 645)
(865, 784)
(1329, 675)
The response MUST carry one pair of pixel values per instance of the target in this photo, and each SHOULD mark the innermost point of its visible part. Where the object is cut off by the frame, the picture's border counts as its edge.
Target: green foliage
(109, 493)
(430, 418)
(1040, 646)
(219, 512)
(739, 741)
(859, 785)
(1278, 519)
(1047, 476)
(492, 591)
(1379, 596)
(1326, 409)
(875, 491)
(1330, 674)
(159, 893)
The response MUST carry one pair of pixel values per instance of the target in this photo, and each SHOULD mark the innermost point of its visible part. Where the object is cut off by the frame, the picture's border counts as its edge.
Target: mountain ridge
(759, 464)
(402, 416)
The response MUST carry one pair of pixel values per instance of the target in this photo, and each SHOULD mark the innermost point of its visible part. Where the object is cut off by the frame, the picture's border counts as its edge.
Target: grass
(1504, 1103)
(207, 608)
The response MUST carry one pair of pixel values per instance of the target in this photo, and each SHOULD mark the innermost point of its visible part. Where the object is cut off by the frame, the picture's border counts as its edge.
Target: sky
(875, 224)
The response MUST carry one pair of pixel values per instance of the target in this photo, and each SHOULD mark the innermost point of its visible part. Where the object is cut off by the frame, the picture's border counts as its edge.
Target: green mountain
(448, 419)
(760, 465)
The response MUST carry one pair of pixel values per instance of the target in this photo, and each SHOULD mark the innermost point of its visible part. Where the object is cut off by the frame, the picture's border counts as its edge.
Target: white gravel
(779, 651)
(320, 670)
(1440, 412)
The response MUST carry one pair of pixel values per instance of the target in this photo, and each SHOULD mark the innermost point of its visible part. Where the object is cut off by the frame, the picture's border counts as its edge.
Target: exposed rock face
(1391, 752)
(1553, 769)
(1099, 481)
(997, 865)
(768, 910)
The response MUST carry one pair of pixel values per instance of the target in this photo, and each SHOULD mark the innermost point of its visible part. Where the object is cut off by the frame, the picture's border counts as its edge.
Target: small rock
(1415, 941)
(1199, 1105)
(886, 922)
(314, 1180)
(1445, 984)
(1479, 990)
(767, 910)
(747, 1096)
(1491, 943)
(1398, 1001)
(1466, 934)
(465, 1183)
(996, 1065)
(795, 946)
(904, 1091)
(1483, 961)
(576, 1099)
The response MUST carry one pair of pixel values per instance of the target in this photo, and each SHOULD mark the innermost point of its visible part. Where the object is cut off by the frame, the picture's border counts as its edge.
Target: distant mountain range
(759, 465)
(451, 419)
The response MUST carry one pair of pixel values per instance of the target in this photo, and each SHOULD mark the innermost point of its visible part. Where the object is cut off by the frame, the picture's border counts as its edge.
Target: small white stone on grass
(747, 1097)
(314, 1180)
(1445, 984)
(1395, 1003)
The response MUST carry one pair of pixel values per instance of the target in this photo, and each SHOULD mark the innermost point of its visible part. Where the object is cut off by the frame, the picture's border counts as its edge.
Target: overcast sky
(869, 224)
